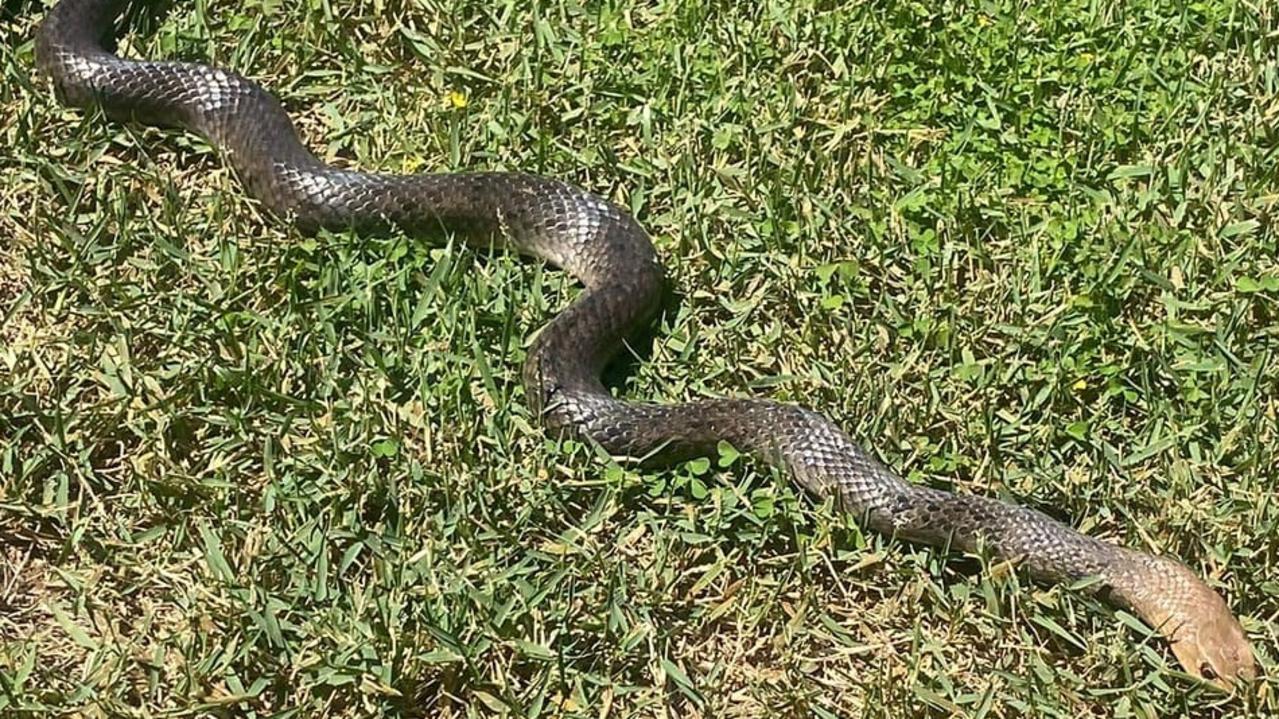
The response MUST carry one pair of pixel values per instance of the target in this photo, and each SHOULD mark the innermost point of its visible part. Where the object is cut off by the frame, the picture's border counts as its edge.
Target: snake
(622, 283)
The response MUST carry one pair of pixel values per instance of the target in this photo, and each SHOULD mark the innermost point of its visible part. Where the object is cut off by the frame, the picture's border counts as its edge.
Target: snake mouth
(1229, 667)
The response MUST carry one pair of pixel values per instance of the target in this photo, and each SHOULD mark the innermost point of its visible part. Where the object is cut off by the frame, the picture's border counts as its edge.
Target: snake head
(1205, 636)
(1211, 645)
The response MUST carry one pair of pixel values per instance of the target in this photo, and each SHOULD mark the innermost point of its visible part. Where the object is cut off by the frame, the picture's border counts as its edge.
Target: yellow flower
(457, 98)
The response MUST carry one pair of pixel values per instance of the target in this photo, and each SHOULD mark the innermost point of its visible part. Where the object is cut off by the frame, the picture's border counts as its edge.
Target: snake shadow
(638, 347)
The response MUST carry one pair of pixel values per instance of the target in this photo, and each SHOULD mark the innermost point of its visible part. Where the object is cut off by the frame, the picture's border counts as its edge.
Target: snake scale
(605, 249)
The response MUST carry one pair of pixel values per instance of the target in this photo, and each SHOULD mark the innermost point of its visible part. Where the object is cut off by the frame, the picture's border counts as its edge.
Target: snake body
(611, 255)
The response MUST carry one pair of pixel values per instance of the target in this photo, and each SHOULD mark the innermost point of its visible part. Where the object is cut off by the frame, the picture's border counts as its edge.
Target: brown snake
(612, 256)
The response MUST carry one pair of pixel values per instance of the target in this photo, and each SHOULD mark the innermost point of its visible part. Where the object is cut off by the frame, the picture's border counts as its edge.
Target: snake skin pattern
(612, 256)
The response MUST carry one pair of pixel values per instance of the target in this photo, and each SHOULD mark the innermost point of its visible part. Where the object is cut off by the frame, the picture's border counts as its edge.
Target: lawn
(1017, 249)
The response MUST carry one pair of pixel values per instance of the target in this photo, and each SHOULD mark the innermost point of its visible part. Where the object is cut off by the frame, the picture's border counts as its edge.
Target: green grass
(1018, 249)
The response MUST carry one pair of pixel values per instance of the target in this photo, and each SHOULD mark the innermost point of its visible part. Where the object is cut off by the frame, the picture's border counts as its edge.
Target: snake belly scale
(611, 255)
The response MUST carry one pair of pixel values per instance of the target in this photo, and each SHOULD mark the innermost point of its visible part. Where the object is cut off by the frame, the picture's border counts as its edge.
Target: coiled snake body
(604, 248)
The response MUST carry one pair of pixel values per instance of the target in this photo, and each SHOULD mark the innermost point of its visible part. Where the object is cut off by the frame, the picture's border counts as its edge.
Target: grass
(1019, 249)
